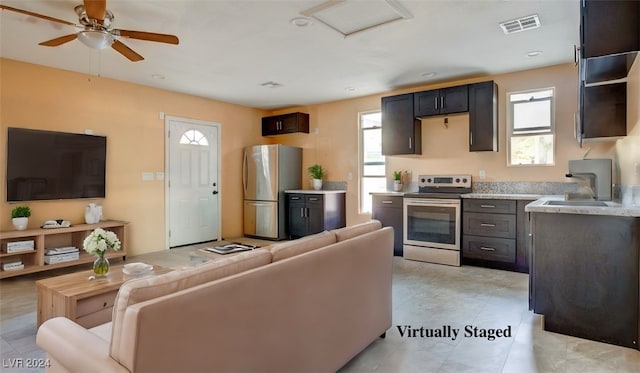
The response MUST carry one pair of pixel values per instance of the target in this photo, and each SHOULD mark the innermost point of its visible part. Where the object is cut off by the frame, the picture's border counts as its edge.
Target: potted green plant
(397, 181)
(317, 173)
(20, 217)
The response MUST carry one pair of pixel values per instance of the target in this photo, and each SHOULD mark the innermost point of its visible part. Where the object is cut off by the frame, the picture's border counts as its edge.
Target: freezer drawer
(261, 219)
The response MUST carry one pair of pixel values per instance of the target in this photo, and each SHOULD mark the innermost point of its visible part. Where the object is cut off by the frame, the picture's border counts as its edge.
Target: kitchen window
(372, 162)
(530, 126)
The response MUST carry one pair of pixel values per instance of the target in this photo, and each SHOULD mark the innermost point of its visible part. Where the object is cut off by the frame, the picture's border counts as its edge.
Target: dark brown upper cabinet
(441, 101)
(483, 117)
(603, 111)
(285, 123)
(401, 132)
(609, 27)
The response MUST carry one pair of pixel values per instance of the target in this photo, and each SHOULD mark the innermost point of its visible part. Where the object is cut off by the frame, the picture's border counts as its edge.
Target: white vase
(397, 185)
(91, 214)
(20, 224)
(317, 184)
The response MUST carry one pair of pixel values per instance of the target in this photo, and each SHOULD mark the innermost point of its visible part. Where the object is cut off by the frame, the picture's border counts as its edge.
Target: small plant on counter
(316, 171)
(20, 212)
(397, 175)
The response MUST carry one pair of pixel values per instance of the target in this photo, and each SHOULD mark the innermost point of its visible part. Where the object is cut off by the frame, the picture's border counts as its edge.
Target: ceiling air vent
(520, 24)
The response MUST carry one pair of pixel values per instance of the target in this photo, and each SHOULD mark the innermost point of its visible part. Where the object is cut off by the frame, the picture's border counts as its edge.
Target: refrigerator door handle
(244, 173)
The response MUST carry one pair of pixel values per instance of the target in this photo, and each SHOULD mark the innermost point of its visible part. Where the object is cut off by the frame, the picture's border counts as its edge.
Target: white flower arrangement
(100, 240)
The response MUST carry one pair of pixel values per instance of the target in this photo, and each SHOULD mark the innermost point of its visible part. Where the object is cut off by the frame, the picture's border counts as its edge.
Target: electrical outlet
(482, 174)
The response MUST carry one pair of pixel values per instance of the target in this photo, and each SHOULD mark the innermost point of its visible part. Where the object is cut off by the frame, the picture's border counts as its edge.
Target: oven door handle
(431, 202)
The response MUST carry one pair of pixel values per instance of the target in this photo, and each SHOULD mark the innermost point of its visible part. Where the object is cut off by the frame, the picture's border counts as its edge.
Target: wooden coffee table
(75, 296)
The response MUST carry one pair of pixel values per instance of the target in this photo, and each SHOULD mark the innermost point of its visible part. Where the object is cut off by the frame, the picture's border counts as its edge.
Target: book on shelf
(60, 258)
(18, 246)
(60, 250)
(13, 265)
(230, 248)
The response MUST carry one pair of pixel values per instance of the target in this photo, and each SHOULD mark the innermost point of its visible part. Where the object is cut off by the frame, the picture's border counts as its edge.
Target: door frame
(167, 178)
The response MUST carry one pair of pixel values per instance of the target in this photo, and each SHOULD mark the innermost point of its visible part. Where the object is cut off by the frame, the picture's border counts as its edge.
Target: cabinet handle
(487, 248)
(409, 142)
(470, 137)
(313, 199)
(487, 225)
(295, 198)
(488, 206)
(387, 202)
(302, 212)
(576, 54)
(442, 102)
(435, 100)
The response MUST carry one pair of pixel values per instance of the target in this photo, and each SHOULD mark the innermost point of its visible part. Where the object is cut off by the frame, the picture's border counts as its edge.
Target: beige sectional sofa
(307, 305)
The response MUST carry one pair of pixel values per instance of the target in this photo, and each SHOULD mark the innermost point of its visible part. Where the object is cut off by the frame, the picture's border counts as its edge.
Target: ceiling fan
(95, 22)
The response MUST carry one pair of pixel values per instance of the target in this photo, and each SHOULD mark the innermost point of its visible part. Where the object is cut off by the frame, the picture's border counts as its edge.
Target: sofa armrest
(75, 347)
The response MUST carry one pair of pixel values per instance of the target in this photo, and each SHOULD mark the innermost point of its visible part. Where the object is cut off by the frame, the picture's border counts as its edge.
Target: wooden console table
(76, 297)
(33, 260)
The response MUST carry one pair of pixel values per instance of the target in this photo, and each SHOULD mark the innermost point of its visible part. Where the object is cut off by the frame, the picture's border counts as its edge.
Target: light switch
(159, 175)
(147, 176)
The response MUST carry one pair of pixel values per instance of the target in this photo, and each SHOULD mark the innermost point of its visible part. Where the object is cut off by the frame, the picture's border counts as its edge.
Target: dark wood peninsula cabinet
(483, 116)
(441, 101)
(401, 131)
(310, 213)
(285, 123)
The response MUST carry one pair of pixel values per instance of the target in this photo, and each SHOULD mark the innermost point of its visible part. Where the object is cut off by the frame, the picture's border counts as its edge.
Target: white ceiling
(229, 48)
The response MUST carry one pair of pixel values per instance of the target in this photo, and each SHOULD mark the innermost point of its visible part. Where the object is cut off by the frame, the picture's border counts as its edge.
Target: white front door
(193, 181)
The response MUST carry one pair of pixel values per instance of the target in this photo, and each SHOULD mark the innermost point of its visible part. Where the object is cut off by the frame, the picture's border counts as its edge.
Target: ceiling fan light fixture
(96, 39)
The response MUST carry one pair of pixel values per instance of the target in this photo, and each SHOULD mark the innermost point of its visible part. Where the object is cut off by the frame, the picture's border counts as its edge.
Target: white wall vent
(520, 24)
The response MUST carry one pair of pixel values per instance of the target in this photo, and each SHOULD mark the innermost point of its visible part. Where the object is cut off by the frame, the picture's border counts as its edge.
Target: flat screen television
(48, 165)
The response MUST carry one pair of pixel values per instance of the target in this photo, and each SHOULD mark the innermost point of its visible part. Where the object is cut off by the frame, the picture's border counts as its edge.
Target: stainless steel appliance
(269, 170)
(432, 219)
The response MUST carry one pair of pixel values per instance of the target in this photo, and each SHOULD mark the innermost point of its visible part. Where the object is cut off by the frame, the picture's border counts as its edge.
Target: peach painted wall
(444, 150)
(628, 149)
(36, 97)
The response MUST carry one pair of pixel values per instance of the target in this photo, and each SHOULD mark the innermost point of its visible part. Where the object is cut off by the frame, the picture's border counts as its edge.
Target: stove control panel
(449, 181)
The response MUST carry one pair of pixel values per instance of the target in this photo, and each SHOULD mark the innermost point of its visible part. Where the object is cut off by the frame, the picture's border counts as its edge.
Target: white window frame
(533, 131)
(361, 162)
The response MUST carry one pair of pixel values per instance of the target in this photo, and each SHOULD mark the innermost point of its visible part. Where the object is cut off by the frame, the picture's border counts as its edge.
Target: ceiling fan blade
(95, 9)
(59, 41)
(126, 51)
(150, 36)
(4, 7)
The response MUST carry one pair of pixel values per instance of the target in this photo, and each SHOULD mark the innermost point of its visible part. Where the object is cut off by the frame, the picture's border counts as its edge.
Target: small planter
(20, 224)
(317, 184)
(397, 185)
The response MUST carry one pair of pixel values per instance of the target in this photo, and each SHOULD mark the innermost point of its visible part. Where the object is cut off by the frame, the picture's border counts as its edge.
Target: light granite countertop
(611, 208)
(313, 191)
(517, 196)
(390, 194)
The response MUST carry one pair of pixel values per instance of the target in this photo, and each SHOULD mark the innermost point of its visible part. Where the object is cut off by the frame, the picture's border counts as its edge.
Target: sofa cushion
(143, 289)
(301, 245)
(356, 230)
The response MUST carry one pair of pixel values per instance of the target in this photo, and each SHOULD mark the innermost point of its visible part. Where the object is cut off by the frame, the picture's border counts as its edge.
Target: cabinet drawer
(494, 206)
(95, 303)
(387, 202)
(487, 248)
(314, 199)
(97, 318)
(490, 225)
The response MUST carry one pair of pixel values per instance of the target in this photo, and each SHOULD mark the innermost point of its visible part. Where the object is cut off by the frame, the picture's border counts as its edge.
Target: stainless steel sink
(576, 203)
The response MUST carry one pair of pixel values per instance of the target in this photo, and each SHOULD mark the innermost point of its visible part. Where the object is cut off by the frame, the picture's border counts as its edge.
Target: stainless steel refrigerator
(269, 170)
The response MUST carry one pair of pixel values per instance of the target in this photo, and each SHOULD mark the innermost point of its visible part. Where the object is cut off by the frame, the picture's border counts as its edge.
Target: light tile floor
(425, 296)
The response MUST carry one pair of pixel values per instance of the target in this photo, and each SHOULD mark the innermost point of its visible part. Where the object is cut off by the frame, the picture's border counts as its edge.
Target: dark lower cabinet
(494, 234)
(388, 210)
(585, 276)
(310, 213)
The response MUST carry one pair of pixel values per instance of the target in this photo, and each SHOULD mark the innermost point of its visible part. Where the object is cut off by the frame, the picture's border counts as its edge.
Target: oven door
(432, 223)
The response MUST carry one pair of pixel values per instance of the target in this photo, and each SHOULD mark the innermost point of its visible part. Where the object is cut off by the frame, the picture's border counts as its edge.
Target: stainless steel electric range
(432, 219)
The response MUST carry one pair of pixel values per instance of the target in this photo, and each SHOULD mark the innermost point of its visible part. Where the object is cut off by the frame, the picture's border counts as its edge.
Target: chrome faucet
(587, 183)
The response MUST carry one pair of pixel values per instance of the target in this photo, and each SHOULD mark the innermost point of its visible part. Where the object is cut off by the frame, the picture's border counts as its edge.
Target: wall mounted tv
(47, 165)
